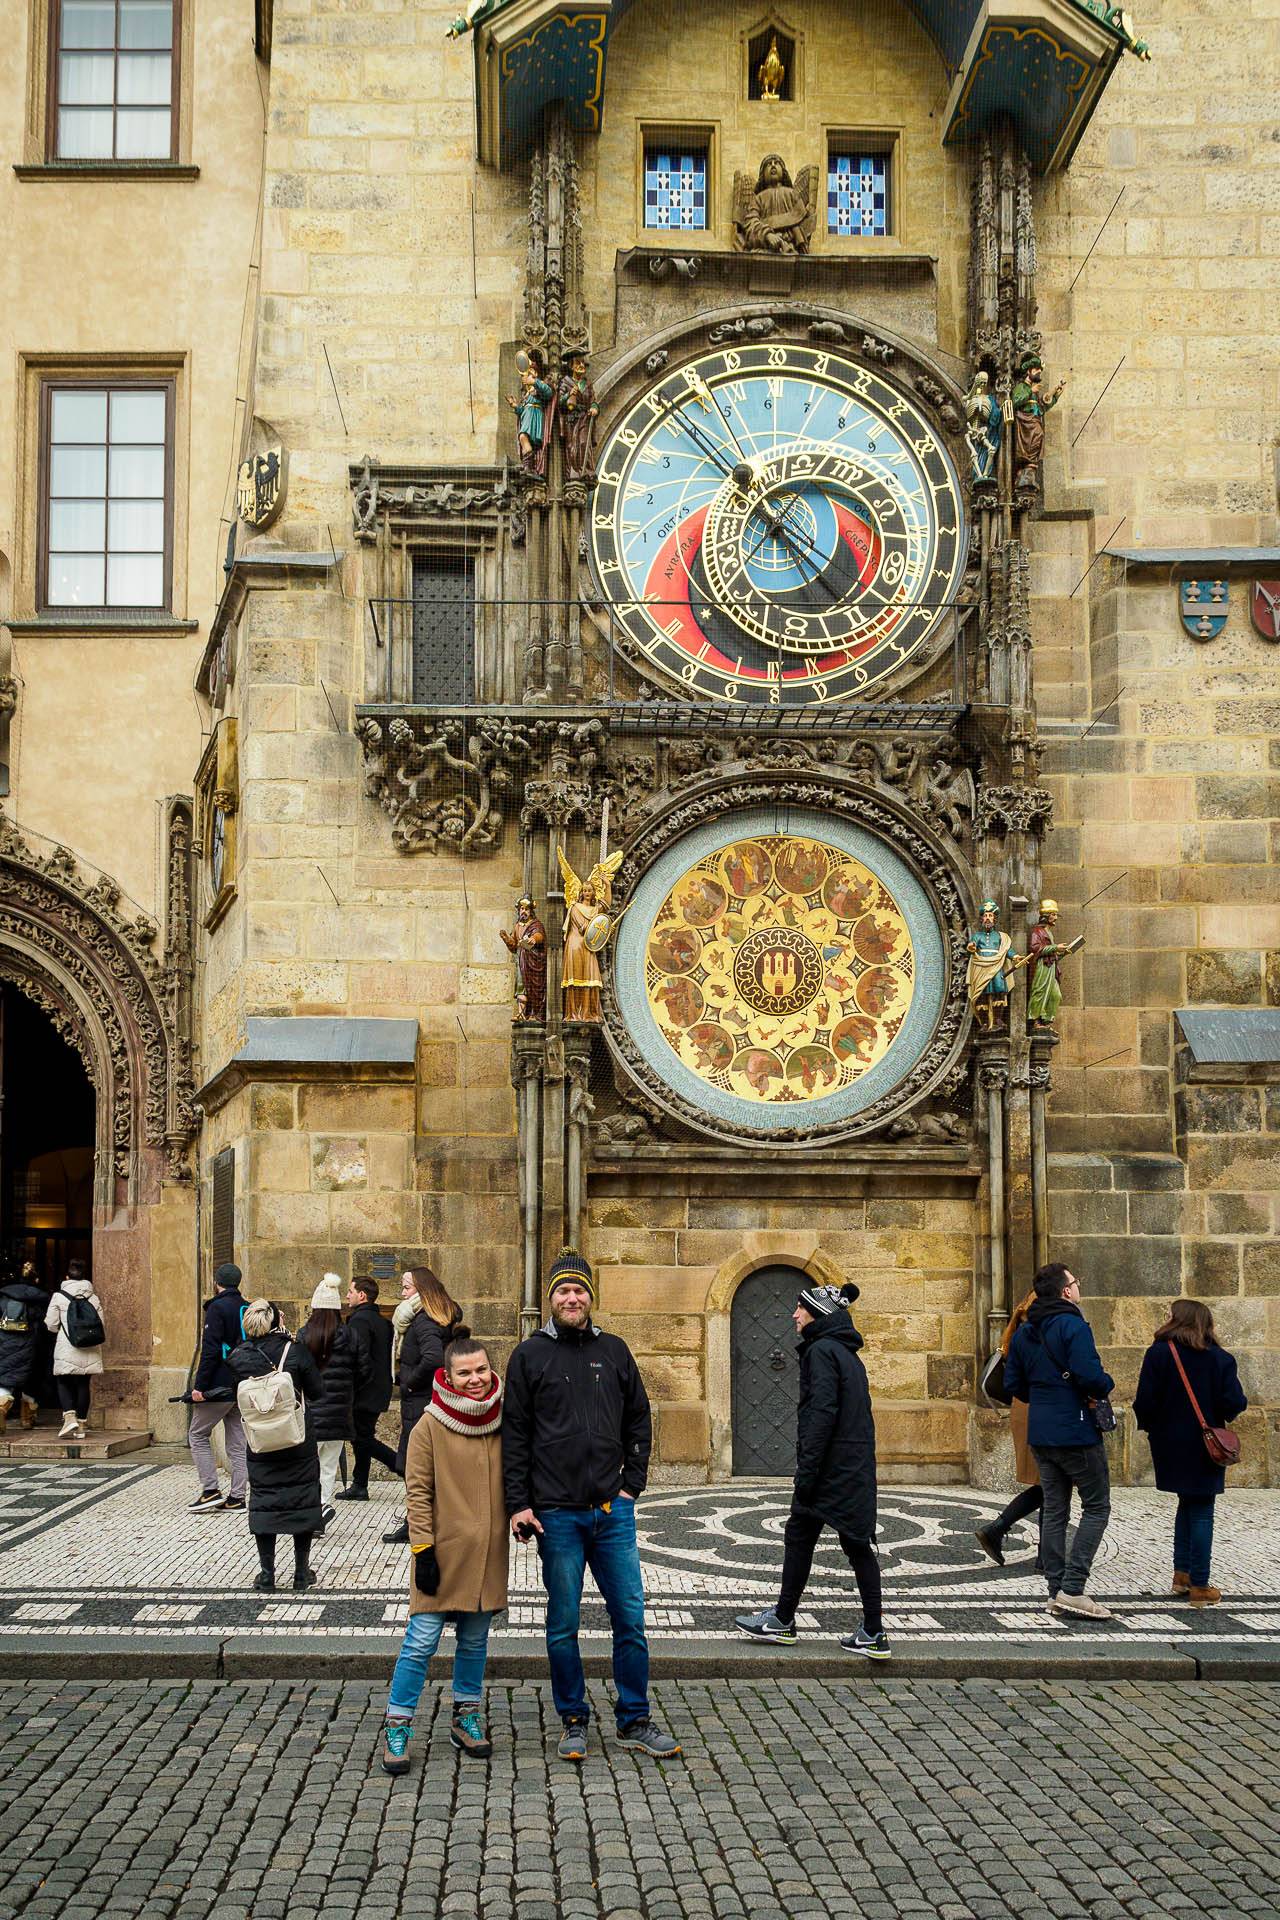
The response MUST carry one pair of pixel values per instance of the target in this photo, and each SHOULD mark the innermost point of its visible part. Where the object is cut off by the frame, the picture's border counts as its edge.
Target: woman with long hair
(427, 1318)
(1162, 1408)
(1025, 1471)
(338, 1358)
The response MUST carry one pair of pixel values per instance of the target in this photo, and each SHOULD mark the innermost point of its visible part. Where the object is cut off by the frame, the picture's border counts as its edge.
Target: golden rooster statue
(771, 74)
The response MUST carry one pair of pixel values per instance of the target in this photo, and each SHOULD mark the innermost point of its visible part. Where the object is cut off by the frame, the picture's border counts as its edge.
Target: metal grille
(764, 1375)
(224, 1205)
(444, 627)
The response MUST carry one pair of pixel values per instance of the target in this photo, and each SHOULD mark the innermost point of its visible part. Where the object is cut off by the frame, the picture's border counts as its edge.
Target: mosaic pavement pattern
(110, 1549)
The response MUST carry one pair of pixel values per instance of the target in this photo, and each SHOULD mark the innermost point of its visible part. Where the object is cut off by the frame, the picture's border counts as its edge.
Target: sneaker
(643, 1737)
(573, 1741)
(874, 1645)
(67, 1431)
(353, 1492)
(264, 1583)
(208, 1503)
(82, 1432)
(1080, 1606)
(304, 1578)
(232, 1505)
(396, 1736)
(466, 1731)
(766, 1625)
(989, 1540)
(326, 1515)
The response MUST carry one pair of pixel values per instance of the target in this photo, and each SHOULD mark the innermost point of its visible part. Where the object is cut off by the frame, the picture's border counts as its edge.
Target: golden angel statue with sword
(588, 924)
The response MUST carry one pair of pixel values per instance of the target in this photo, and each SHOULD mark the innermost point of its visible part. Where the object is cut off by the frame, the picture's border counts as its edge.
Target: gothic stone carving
(1004, 810)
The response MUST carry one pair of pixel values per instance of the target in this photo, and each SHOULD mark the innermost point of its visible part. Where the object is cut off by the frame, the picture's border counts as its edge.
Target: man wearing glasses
(1054, 1366)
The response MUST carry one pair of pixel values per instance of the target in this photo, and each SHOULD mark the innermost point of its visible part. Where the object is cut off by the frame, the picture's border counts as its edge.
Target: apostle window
(675, 184)
(106, 494)
(114, 75)
(444, 627)
(858, 190)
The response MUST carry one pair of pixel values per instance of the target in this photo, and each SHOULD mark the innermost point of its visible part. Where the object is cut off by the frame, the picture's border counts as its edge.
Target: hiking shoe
(232, 1505)
(874, 1645)
(396, 1736)
(353, 1492)
(766, 1625)
(573, 1741)
(1204, 1597)
(466, 1731)
(208, 1503)
(1080, 1606)
(643, 1737)
(1181, 1588)
(303, 1578)
(989, 1540)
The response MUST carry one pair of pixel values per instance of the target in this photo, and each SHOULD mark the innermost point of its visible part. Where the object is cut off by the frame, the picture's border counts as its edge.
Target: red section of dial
(667, 590)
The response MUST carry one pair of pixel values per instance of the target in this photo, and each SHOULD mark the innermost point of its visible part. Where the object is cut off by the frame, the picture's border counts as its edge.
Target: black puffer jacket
(284, 1487)
(421, 1353)
(835, 1433)
(576, 1427)
(19, 1300)
(333, 1414)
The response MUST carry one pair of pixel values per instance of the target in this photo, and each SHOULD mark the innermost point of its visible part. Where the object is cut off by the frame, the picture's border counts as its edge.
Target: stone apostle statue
(774, 216)
(578, 412)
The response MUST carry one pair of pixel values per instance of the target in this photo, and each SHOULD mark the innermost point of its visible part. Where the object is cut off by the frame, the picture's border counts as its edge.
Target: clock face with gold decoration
(778, 525)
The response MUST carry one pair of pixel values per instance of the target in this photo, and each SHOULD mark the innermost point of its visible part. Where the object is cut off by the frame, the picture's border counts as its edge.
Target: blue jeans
(573, 1539)
(422, 1637)
(1193, 1536)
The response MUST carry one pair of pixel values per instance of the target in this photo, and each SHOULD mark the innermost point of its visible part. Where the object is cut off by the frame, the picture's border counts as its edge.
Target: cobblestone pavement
(881, 1801)
(88, 1549)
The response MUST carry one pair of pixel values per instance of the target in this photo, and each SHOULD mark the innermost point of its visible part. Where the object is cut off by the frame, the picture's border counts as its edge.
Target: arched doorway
(46, 1143)
(763, 1372)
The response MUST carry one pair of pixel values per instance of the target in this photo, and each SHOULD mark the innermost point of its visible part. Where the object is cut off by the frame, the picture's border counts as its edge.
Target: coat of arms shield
(1264, 608)
(1203, 606)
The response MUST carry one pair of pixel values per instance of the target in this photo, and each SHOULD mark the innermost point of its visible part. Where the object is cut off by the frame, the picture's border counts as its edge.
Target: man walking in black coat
(576, 1435)
(371, 1335)
(835, 1472)
(213, 1396)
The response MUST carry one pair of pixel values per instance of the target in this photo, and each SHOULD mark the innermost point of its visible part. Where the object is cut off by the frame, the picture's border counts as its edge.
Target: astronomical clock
(777, 525)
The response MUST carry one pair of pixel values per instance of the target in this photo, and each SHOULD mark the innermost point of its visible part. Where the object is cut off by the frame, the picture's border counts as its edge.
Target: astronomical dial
(777, 525)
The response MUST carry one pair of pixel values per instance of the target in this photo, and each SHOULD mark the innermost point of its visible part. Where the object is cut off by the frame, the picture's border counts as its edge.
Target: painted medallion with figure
(778, 525)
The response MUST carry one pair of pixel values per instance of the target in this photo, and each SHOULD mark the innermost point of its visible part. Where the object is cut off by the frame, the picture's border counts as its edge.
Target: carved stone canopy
(67, 945)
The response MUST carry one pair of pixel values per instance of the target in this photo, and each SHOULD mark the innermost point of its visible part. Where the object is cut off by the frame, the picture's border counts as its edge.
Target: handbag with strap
(1222, 1446)
(1104, 1414)
(991, 1381)
(271, 1409)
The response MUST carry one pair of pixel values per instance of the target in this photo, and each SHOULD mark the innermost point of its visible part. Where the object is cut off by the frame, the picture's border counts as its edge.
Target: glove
(426, 1571)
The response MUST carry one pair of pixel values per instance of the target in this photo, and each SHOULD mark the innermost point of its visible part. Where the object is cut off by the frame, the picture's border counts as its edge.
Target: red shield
(1264, 608)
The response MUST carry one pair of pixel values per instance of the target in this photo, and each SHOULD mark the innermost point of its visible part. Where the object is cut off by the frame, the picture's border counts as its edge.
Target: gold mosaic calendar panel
(779, 969)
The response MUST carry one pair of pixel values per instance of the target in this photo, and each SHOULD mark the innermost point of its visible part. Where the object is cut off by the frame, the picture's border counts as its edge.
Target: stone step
(42, 1443)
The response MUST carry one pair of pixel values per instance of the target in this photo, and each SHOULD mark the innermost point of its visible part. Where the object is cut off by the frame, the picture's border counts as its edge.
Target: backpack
(271, 1410)
(82, 1322)
(15, 1315)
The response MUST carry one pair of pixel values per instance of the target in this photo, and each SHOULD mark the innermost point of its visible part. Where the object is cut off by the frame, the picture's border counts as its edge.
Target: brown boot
(1181, 1586)
(29, 1412)
(1205, 1596)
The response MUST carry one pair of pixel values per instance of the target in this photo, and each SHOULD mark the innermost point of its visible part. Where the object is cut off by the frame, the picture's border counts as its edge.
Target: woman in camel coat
(1025, 1471)
(459, 1539)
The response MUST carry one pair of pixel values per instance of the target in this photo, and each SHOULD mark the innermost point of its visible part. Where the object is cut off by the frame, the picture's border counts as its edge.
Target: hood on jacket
(571, 1334)
(832, 1326)
(78, 1289)
(1041, 1310)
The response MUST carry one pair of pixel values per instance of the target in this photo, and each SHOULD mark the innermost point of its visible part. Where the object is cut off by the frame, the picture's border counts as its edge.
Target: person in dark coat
(23, 1306)
(284, 1486)
(835, 1483)
(213, 1396)
(339, 1360)
(1054, 1366)
(425, 1320)
(372, 1336)
(1162, 1408)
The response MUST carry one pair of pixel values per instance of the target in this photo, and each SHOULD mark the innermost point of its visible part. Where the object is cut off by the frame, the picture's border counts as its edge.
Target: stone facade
(393, 291)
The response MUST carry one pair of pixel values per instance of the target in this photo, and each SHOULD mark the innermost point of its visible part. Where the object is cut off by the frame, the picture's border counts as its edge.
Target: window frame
(52, 99)
(671, 135)
(89, 383)
(844, 143)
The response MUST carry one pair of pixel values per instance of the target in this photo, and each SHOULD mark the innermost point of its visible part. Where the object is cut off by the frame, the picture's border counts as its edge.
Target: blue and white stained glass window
(858, 194)
(675, 188)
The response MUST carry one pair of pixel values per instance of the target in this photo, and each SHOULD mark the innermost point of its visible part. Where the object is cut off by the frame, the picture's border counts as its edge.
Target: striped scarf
(459, 1412)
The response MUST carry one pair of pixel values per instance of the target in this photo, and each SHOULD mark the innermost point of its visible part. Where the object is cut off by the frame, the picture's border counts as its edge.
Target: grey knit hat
(822, 1300)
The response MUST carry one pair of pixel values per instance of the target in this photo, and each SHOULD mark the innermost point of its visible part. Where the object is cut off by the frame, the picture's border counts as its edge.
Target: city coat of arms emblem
(1264, 608)
(260, 486)
(1204, 608)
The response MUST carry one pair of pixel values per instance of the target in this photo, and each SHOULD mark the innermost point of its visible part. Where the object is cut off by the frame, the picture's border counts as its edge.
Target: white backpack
(271, 1409)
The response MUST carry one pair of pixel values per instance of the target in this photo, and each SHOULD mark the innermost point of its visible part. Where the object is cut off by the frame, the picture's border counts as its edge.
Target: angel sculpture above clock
(775, 215)
(588, 924)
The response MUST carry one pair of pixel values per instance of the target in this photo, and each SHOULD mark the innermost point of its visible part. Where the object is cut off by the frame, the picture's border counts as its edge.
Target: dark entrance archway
(47, 1125)
(763, 1372)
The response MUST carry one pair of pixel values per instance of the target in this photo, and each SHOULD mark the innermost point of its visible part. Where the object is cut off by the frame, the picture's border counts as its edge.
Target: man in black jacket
(372, 1337)
(835, 1472)
(213, 1396)
(576, 1435)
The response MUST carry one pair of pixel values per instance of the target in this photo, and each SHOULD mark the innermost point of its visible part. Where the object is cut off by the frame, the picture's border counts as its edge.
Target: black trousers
(799, 1539)
(73, 1393)
(1022, 1505)
(366, 1447)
